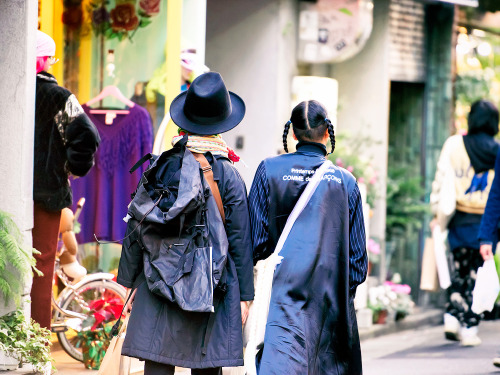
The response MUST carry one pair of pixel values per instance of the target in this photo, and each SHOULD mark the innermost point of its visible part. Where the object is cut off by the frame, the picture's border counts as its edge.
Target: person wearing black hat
(160, 332)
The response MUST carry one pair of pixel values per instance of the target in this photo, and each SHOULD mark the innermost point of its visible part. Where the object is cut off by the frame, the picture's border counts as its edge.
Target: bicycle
(72, 305)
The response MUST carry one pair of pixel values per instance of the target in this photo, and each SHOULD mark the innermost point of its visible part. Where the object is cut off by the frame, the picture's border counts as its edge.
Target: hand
(486, 251)
(128, 307)
(244, 311)
(433, 224)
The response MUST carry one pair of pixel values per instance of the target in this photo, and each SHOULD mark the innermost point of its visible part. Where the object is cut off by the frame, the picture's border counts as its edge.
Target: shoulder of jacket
(58, 94)
(227, 167)
(454, 141)
(277, 158)
(348, 177)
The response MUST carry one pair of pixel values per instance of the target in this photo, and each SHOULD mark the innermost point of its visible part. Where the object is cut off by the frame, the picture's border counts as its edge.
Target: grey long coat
(159, 330)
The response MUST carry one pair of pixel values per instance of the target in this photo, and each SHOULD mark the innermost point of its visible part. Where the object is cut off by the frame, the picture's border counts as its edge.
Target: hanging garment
(108, 186)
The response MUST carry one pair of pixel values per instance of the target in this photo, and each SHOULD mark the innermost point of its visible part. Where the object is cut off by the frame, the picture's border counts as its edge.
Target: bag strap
(138, 281)
(209, 176)
(302, 202)
(141, 161)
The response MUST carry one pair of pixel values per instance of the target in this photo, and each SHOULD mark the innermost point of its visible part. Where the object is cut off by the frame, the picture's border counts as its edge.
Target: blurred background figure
(464, 175)
(489, 231)
(65, 143)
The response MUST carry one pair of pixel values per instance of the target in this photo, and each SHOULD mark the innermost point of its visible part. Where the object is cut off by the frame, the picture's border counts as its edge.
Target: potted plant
(95, 335)
(390, 300)
(380, 301)
(402, 304)
(405, 207)
(405, 214)
(25, 341)
(16, 266)
(348, 151)
(16, 261)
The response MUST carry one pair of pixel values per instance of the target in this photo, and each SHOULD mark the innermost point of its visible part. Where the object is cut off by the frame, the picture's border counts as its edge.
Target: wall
(252, 45)
(18, 22)
(364, 101)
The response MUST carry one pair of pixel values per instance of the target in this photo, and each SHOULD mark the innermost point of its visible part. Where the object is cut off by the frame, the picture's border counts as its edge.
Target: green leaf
(145, 22)
(92, 351)
(345, 11)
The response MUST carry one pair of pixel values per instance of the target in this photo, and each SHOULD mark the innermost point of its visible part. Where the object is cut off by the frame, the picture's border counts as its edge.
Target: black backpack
(180, 230)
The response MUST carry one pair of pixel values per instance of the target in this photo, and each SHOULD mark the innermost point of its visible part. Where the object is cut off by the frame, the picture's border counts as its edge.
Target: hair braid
(285, 135)
(329, 126)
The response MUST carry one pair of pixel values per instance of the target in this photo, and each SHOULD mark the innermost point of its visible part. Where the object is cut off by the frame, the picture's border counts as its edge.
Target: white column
(18, 24)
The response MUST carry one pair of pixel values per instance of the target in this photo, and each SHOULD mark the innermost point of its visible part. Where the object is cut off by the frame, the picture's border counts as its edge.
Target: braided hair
(331, 132)
(285, 135)
(310, 121)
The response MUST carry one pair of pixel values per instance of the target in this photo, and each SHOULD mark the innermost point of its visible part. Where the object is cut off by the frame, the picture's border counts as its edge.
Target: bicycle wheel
(76, 302)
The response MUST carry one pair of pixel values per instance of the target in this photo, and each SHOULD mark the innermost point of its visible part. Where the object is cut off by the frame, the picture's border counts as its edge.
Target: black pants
(155, 368)
(466, 261)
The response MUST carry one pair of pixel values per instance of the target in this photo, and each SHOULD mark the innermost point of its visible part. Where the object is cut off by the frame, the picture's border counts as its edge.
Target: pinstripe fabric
(258, 202)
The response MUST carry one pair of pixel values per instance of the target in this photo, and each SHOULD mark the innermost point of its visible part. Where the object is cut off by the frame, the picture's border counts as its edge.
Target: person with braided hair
(311, 326)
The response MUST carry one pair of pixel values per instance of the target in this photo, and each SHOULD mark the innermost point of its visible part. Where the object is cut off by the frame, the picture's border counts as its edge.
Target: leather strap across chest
(209, 177)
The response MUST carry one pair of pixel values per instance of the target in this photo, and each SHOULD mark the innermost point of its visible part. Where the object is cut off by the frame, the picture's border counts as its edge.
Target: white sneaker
(451, 327)
(74, 270)
(496, 361)
(468, 337)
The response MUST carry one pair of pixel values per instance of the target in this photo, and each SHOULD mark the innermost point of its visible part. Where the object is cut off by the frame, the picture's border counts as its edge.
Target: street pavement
(422, 351)
(425, 351)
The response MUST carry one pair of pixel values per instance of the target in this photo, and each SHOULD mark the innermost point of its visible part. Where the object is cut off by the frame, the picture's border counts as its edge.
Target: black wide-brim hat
(207, 107)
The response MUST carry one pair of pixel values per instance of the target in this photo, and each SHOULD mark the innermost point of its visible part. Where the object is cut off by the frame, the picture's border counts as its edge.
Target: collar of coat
(46, 77)
(314, 147)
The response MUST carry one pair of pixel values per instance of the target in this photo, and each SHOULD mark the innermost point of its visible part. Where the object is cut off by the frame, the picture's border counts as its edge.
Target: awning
(467, 3)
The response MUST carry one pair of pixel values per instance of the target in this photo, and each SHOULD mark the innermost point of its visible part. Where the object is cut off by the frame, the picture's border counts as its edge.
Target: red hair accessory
(232, 155)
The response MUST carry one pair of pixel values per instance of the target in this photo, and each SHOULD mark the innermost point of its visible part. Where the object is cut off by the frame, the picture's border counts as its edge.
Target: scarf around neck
(482, 150)
(207, 143)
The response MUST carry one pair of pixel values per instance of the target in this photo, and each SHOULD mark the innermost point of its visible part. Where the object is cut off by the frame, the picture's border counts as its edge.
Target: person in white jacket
(460, 190)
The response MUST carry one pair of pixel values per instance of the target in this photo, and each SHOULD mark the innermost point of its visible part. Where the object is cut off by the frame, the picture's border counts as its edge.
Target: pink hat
(190, 61)
(45, 45)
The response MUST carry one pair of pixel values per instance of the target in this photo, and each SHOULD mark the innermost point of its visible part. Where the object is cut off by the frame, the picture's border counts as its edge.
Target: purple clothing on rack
(108, 185)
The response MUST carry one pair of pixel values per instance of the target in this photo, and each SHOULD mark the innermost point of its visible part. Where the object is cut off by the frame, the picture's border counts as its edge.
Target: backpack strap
(142, 161)
(209, 176)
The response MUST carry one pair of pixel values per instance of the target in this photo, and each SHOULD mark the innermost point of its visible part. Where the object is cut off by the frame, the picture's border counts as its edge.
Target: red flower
(73, 16)
(98, 304)
(124, 18)
(150, 7)
(115, 306)
(105, 310)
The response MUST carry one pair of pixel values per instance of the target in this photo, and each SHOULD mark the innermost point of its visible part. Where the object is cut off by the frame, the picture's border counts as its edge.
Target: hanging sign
(467, 3)
(333, 30)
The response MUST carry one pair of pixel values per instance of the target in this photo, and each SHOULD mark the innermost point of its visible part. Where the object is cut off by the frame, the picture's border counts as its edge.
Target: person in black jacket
(65, 143)
(160, 331)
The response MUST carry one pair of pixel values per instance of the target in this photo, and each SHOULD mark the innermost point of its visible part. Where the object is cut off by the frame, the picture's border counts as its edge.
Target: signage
(333, 30)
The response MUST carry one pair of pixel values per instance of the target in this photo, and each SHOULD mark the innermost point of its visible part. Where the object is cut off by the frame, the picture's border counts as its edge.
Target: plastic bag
(486, 289)
(439, 239)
